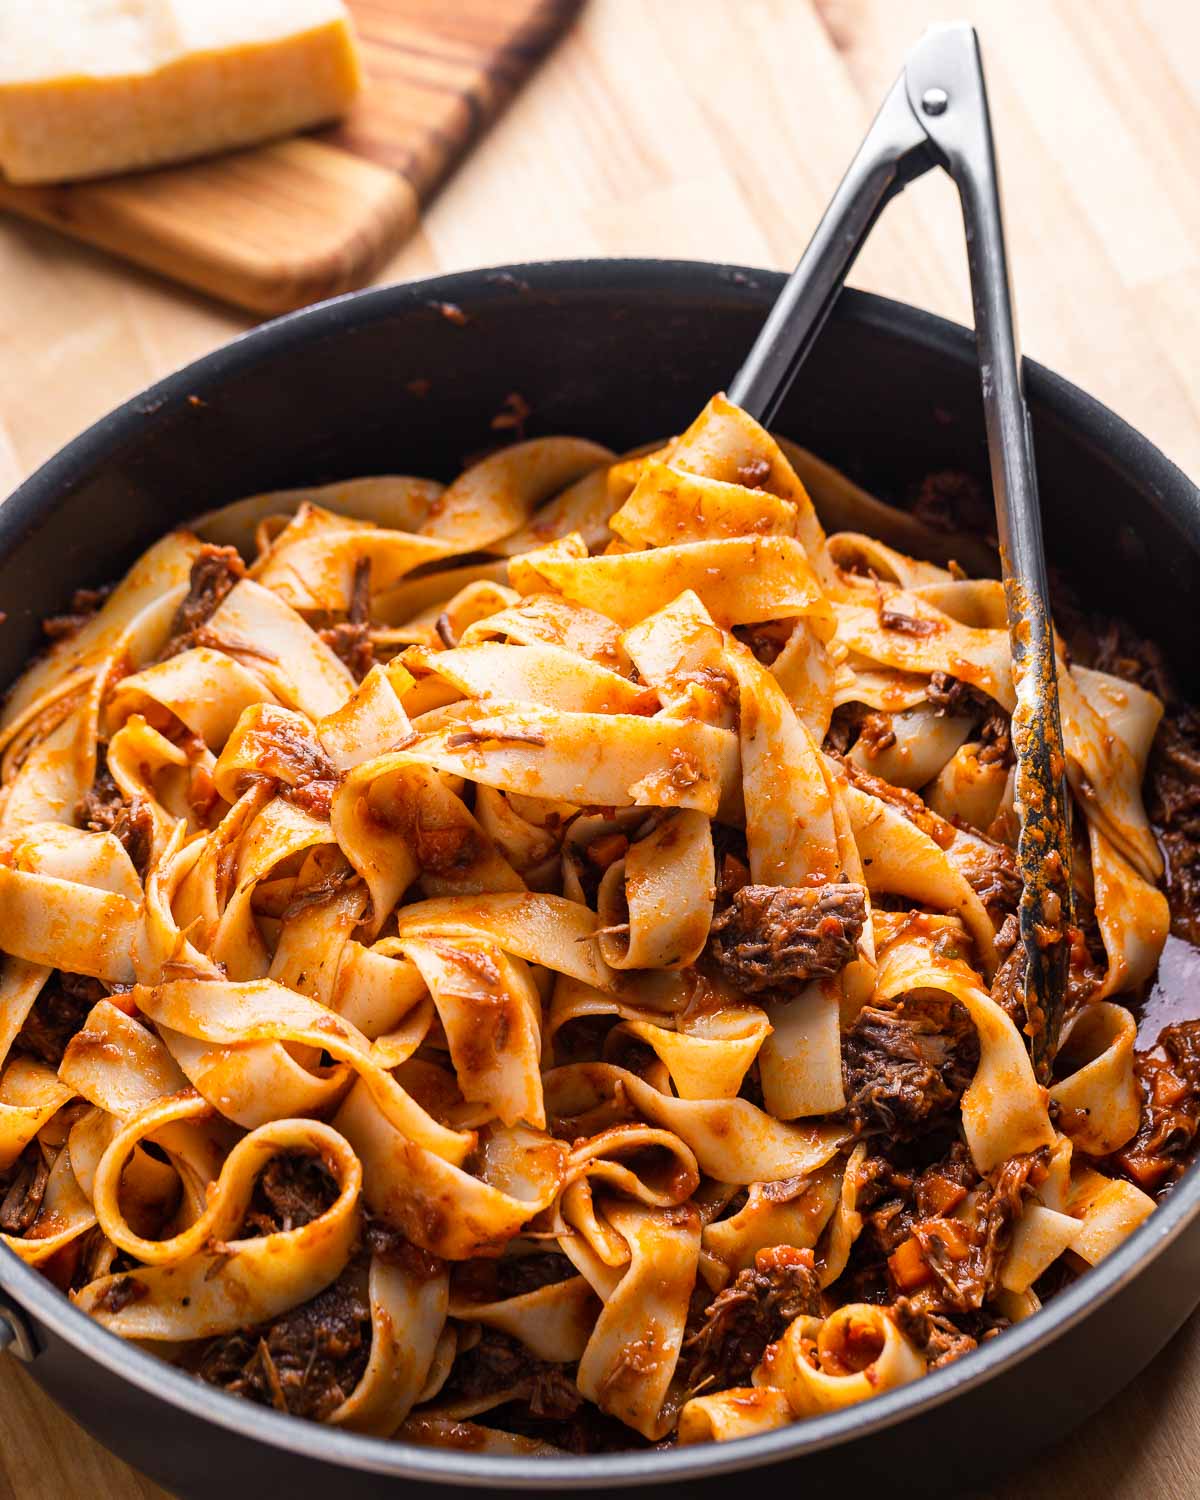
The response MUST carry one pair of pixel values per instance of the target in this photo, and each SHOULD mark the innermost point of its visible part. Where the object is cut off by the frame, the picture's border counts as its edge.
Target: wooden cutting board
(278, 226)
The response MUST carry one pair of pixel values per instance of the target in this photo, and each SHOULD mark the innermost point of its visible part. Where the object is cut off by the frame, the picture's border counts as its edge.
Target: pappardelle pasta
(532, 964)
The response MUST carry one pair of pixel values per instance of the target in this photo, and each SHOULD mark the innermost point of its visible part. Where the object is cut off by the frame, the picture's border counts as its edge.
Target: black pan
(620, 351)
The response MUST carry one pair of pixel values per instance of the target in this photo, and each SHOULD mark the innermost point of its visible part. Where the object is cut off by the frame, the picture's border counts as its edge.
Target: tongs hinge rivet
(934, 101)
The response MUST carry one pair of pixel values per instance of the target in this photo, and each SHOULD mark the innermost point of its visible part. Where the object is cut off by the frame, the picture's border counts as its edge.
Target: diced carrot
(942, 1193)
(607, 849)
(908, 1267)
(950, 1235)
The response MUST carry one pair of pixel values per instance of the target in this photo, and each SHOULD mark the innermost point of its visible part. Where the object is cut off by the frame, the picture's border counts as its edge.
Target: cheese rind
(89, 88)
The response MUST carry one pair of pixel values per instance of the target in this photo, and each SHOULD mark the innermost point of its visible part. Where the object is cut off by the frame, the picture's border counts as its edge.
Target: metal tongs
(936, 115)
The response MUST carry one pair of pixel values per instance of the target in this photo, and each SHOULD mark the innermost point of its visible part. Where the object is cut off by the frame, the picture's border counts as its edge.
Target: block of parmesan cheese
(93, 87)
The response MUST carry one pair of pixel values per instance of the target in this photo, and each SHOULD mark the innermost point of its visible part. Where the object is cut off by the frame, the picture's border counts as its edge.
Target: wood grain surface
(717, 129)
(277, 226)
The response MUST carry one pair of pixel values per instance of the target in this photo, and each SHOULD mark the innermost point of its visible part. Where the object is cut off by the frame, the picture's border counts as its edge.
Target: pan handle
(16, 1332)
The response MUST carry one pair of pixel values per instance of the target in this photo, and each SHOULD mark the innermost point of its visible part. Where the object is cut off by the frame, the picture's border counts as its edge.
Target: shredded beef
(966, 1281)
(951, 501)
(305, 774)
(84, 604)
(214, 573)
(292, 1190)
(511, 1275)
(766, 641)
(306, 1362)
(773, 939)
(932, 1334)
(905, 1065)
(103, 809)
(905, 801)
(996, 880)
(120, 1293)
(752, 1312)
(23, 1189)
(499, 1363)
(350, 639)
(58, 1013)
(1173, 803)
(1168, 1076)
(950, 695)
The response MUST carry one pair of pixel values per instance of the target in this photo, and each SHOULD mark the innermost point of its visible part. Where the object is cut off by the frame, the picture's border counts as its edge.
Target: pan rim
(35, 503)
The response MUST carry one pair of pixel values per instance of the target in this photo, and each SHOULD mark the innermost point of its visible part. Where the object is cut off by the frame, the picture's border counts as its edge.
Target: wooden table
(717, 129)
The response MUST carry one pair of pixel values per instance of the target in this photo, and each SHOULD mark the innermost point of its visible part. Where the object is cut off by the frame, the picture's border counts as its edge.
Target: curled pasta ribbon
(662, 895)
(496, 496)
(539, 674)
(266, 635)
(20, 984)
(790, 831)
(1102, 718)
(791, 1212)
(1132, 915)
(681, 654)
(1108, 1209)
(541, 929)
(30, 1095)
(823, 1365)
(901, 859)
(1003, 1109)
(670, 505)
(731, 1139)
(203, 688)
(397, 501)
(612, 760)
(71, 900)
(201, 1282)
(741, 1411)
(230, 1014)
(646, 1311)
(65, 1214)
(434, 1202)
(554, 1321)
(163, 569)
(491, 1014)
(560, 622)
(709, 1052)
(925, 740)
(1099, 1103)
(800, 1065)
(312, 563)
(408, 1315)
(740, 580)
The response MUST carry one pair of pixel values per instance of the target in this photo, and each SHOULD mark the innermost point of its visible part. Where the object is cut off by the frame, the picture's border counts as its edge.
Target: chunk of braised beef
(84, 604)
(1173, 803)
(1168, 1077)
(58, 1013)
(906, 1064)
(292, 1190)
(350, 639)
(500, 1364)
(965, 1260)
(121, 1293)
(103, 808)
(307, 1362)
(996, 880)
(22, 1189)
(751, 1312)
(934, 1335)
(487, 1280)
(771, 940)
(215, 571)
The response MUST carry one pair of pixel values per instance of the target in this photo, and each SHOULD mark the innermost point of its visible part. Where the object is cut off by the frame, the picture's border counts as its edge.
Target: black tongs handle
(937, 115)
